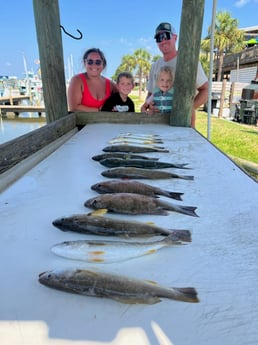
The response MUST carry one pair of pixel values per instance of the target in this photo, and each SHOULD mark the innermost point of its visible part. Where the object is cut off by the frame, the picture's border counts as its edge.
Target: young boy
(163, 93)
(120, 101)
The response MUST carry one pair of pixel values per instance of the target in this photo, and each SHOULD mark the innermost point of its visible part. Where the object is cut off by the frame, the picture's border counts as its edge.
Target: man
(166, 38)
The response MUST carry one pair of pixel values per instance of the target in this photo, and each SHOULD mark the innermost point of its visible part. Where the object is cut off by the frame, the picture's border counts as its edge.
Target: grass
(234, 139)
(239, 141)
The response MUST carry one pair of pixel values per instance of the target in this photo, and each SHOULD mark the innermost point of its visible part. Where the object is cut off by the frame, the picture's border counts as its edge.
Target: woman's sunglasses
(163, 36)
(96, 62)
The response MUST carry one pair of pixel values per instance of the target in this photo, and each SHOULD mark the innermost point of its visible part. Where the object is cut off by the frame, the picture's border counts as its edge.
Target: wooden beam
(21, 109)
(187, 62)
(47, 20)
(83, 118)
(14, 151)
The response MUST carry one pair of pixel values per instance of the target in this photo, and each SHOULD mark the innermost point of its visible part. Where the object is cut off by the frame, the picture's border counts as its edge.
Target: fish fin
(137, 299)
(151, 282)
(190, 210)
(187, 177)
(100, 212)
(187, 294)
(151, 223)
(181, 235)
(175, 195)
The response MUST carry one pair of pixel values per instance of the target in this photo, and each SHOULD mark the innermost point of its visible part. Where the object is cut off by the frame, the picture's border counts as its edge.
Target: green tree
(142, 64)
(227, 38)
(138, 64)
(127, 64)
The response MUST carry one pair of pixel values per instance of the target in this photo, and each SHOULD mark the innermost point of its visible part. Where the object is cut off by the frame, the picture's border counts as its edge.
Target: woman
(88, 91)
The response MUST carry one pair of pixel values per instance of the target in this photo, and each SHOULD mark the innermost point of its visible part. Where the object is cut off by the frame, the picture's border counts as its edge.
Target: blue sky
(116, 27)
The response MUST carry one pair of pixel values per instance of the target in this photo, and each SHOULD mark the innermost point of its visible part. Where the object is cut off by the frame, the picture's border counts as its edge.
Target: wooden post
(187, 62)
(47, 20)
(222, 98)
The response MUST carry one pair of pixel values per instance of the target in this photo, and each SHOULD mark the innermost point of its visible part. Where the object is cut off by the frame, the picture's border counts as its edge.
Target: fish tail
(174, 195)
(189, 210)
(187, 294)
(187, 177)
(181, 235)
(181, 166)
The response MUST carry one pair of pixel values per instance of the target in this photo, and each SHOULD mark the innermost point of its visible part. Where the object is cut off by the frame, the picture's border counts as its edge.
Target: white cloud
(241, 3)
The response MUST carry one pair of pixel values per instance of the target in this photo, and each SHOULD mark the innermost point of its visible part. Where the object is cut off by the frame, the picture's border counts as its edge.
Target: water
(14, 127)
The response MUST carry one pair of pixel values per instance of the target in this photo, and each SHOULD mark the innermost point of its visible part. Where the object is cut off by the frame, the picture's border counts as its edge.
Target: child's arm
(145, 108)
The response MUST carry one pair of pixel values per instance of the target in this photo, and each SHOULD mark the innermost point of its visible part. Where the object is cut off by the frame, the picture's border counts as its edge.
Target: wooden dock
(13, 99)
(17, 109)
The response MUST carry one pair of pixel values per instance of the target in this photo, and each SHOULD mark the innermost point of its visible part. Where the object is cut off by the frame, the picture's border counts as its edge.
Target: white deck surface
(221, 262)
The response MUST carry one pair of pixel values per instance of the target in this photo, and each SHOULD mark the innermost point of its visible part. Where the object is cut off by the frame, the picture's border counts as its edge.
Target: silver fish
(133, 141)
(138, 135)
(104, 226)
(127, 186)
(140, 163)
(138, 173)
(120, 288)
(122, 155)
(99, 251)
(130, 203)
(133, 149)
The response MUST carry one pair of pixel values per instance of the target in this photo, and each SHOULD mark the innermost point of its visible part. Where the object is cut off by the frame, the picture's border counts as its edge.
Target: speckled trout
(122, 155)
(139, 173)
(120, 288)
(135, 141)
(105, 252)
(130, 203)
(128, 186)
(134, 149)
(105, 226)
(140, 163)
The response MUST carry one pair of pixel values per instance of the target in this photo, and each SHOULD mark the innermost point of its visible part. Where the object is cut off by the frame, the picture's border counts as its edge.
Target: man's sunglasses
(163, 36)
(96, 62)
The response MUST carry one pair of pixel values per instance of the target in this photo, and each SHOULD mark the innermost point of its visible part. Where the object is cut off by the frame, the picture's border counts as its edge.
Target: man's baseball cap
(165, 27)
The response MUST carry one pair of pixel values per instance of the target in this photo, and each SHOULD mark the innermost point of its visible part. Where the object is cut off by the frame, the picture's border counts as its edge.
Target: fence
(225, 96)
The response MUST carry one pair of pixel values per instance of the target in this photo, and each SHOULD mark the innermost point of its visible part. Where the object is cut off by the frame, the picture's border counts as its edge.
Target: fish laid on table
(120, 288)
(98, 251)
(135, 140)
(139, 173)
(122, 156)
(133, 149)
(140, 163)
(130, 203)
(138, 135)
(104, 226)
(127, 186)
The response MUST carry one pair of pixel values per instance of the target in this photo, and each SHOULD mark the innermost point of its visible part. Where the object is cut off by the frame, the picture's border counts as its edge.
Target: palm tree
(227, 38)
(127, 64)
(142, 64)
(139, 62)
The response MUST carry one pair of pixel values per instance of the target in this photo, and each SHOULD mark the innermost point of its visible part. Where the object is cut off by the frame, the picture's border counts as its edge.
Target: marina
(48, 173)
(220, 262)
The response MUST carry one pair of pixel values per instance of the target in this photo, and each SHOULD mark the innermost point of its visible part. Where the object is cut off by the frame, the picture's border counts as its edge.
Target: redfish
(130, 203)
(127, 186)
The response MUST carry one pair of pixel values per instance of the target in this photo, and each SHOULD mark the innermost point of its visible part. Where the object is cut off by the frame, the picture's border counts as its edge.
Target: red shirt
(87, 98)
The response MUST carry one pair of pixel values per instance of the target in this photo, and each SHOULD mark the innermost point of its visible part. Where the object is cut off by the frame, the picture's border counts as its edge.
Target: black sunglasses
(91, 62)
(163, 36)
